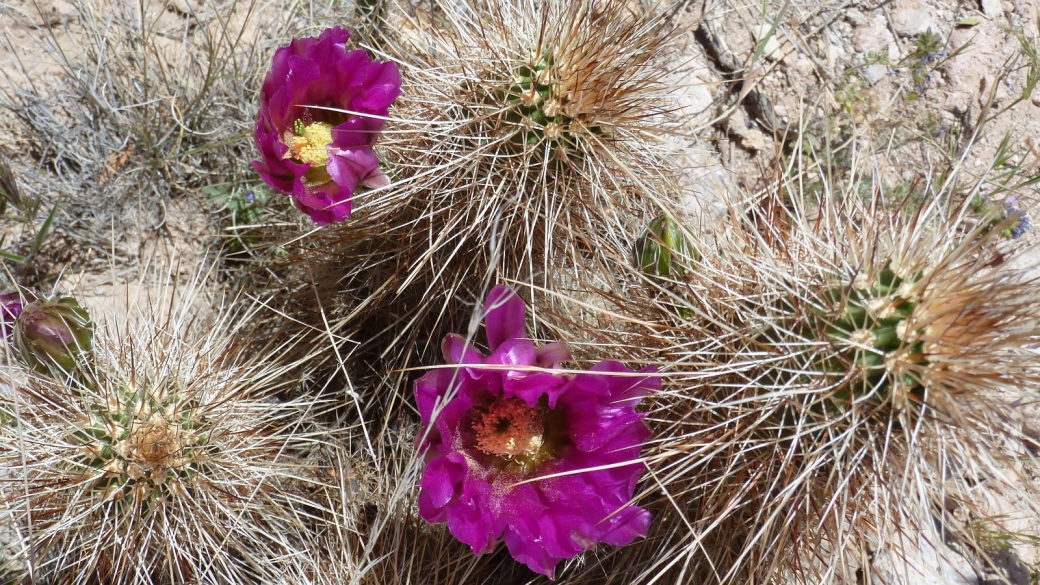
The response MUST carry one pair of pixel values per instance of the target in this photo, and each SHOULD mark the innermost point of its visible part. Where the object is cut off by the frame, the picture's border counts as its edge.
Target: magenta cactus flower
(496, 424)
(310, 147)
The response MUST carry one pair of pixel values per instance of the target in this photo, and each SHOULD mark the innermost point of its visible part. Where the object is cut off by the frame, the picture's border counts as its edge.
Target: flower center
(510, 429)
(308, 144)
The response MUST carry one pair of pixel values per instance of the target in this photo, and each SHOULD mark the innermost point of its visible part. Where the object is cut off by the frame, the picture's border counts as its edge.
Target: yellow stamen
(309, 146)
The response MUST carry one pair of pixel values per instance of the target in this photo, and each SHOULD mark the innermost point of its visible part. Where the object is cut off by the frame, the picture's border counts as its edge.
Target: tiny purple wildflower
(309, 147)
(491, 433)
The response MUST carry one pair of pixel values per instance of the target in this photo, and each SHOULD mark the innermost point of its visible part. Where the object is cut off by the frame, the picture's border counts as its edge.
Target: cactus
(167, 460)
(537, 106)
(142, 446)
(53, 334)
(868, 324)
(663, 249)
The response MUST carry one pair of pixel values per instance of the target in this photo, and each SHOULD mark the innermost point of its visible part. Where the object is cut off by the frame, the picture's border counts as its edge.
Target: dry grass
(141, 134)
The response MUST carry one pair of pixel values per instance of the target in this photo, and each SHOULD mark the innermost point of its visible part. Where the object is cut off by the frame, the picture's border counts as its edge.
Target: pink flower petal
(551, 354)
(505, 316)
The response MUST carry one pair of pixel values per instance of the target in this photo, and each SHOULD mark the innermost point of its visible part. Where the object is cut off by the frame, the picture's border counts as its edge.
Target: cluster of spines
(866, 326)
(534, 109)
(141, 447)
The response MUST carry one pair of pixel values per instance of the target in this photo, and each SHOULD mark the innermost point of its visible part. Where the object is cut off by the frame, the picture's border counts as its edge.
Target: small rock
(693, 96)
(991, 85)
(1026, 10)
(874, 37)
(755, 140)
(930, 562)
(910, 22)
(772, 48)
(804, 68)
(738, 124)
(875, 73)
(957, 102)
(992, 8)
(965, 71)
(54, 12)
(855, 18)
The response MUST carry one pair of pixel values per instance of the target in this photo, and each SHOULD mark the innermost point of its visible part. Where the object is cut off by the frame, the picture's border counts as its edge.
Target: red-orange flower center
(511, 429)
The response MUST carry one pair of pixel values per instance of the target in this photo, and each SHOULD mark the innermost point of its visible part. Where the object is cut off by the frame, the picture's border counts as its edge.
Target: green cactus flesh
(866, 328)
(140, 448)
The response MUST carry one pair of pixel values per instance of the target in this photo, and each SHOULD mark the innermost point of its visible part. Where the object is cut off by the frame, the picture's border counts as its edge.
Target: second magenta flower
(321, 111)
(544, 459)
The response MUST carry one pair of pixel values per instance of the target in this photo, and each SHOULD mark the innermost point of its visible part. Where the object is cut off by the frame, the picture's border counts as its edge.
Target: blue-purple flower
(520, 450)
(310, 147)
(1021, 224)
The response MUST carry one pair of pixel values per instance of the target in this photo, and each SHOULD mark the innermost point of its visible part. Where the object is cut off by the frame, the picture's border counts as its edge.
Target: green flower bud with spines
(53, 334)
(663, 249)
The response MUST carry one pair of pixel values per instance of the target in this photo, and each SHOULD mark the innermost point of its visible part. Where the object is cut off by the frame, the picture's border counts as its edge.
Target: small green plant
(664, 250)
(25, 212)
(928, 53)
(876, 58)
(245, 207)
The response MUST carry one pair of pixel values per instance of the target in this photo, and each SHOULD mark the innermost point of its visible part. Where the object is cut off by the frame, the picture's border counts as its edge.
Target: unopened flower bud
(10, 307)
(52, 333)
(663, 249)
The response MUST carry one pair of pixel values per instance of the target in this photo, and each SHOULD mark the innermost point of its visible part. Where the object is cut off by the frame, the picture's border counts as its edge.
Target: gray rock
(875, 73)
(921, 563)
(772, 47)
(874, 37)
(910, 22)
(992, 8)
(965, 71)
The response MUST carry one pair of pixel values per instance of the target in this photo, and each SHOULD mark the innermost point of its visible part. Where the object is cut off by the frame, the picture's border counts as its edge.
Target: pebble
(910, 22)
(772, 46)
(875, 73)
(992, 8)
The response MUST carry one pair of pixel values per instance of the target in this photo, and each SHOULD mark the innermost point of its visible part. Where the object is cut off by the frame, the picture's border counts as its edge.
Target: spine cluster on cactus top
(873, 346)
(538, 107)
(142, 445)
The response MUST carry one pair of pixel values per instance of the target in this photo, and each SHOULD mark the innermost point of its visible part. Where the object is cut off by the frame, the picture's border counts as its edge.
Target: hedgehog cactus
(168, 460)
(142, 446)
(867, 326)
